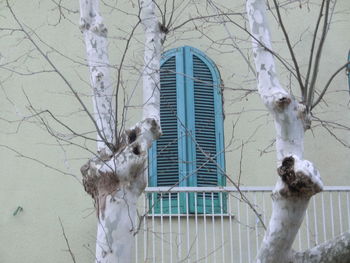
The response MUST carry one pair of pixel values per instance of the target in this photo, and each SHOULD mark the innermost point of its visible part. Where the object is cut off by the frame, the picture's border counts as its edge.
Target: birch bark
(116, 177)
(299, 179)
(154, 38)
(96, 43)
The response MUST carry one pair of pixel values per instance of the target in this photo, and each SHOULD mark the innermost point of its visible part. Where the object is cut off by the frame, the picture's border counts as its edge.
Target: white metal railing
(212, 224)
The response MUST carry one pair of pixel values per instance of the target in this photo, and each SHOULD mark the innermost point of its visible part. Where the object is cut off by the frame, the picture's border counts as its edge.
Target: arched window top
(182, 50)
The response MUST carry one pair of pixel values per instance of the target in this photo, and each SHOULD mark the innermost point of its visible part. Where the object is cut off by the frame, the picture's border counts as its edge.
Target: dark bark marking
(297, 183)
(282, 103)
(136, 150)
(133, 134)
(98, 185)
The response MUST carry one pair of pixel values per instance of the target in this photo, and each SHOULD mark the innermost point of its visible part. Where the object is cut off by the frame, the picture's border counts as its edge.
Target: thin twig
(59, 74)
(328, 84)
(67, 242)
(38, 161)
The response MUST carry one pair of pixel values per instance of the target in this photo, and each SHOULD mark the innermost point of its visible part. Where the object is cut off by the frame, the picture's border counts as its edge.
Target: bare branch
(290, 48)
(318, 55)
(312, 50)
(323, 92)
(58, 72)
(67, 242)
(202, 18)
(131, 35)
(19, 154)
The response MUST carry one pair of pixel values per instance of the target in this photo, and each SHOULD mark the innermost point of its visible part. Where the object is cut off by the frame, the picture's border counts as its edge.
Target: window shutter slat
(167, 144)
(204, 124)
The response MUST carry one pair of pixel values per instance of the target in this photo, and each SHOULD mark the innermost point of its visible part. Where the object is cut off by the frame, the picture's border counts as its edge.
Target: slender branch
(312, 51)
(67, 242)
(21, 155)
(117, 134)
(317, 59)
(204, 17)
(172, 14)
(323, 92)
(246, 59)
(295, 62)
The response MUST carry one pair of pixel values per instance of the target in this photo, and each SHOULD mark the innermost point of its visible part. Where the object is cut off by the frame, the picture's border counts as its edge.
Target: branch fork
(107, 174)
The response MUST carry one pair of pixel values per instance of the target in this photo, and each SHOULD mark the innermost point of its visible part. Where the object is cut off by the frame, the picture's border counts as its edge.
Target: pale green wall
(34, 235)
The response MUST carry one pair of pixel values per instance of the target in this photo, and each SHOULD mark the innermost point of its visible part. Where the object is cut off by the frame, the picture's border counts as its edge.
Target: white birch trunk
(116, 184)
(116, 178)
(95, 36)
(299, 180)
(154, 39)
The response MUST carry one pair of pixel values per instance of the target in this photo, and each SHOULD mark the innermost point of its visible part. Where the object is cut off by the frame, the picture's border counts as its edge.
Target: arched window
(191, 150)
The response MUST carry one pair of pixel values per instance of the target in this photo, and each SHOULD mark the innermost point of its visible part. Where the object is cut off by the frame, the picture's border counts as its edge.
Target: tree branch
(336, 250)
(67, 242)
(311, 90)
(290, 48)
(323, 92)
(309, 68)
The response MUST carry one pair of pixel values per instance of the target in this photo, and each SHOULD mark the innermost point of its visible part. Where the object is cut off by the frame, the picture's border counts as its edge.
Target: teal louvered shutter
(166, 154)
(205, 122)
(191, 148)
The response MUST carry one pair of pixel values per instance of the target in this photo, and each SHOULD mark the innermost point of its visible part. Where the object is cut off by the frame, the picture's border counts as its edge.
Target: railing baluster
(136, 239)
(340, 214)
(196, 225)
(324, 219)
(222, 228)
(230, 221)
(188, 229)
(315, 220)
(248, 233)
(213, 226)
(153, 232)
(348, 209)
(264, 211)
(161, 228)
(205, 228)
(256, 226)
(332, 214)
(239, 231)
(145, 232)
(170, 229)
(178, 227)
(307, 229)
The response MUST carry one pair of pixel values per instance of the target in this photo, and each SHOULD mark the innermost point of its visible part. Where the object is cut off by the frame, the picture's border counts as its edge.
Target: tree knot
(299, 177)
(282, 103)
(98, 184)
